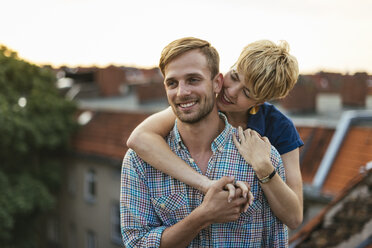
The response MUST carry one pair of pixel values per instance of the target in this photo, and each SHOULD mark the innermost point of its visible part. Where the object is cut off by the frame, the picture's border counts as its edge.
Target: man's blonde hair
(183, 45)
(269, 68)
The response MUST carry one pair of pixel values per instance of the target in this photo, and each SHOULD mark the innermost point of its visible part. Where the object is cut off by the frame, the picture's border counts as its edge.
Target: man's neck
(199, 136)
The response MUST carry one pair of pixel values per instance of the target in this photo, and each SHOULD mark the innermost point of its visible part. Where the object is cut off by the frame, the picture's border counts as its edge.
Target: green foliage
(35, 127)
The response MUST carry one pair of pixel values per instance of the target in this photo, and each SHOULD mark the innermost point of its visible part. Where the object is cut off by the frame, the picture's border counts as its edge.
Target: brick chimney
(354, 90)
(301, 98)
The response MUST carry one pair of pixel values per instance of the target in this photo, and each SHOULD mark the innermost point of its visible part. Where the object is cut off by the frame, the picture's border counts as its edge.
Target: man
(157, 210)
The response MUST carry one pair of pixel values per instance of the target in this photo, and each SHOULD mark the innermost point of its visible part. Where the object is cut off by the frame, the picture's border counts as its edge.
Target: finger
(243, 187)
(246, 206)
(241, 134)
(251, 198)
(241, 203)
(236, 142)
(254, 133)
(266, 139)
(247, 132)
(231, 190)
(249, 202)
(220, 184)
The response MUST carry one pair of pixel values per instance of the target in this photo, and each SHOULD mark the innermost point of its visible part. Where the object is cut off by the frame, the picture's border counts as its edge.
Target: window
(91, 241)
(115, 224)
(90, 186)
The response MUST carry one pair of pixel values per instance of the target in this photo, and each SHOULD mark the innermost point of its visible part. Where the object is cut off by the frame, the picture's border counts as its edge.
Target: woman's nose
(233, 90)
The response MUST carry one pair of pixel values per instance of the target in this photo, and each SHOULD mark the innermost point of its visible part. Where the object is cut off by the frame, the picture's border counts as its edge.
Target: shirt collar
(217, 144)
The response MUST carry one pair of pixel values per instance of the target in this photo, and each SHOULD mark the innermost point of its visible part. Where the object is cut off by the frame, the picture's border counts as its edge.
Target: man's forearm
(182, 233)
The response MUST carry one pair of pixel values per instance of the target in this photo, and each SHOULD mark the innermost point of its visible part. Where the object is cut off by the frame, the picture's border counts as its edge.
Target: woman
(264, 71)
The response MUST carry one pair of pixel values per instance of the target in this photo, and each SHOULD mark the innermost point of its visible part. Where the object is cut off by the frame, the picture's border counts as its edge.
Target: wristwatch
(267, 178)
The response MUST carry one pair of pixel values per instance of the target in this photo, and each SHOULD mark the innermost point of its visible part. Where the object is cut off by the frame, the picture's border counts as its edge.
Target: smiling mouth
(187, 105)
(227, 100)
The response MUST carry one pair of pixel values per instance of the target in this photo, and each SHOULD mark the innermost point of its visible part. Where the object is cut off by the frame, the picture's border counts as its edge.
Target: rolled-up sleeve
(140, 226)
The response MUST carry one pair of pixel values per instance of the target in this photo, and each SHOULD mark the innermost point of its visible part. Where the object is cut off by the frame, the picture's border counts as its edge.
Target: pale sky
(328, 35)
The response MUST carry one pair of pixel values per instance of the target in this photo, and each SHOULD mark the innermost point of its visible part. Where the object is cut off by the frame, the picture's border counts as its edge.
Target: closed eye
(246, 93)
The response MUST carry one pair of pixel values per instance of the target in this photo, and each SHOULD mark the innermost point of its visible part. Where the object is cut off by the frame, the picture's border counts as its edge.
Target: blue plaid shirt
(151, 201)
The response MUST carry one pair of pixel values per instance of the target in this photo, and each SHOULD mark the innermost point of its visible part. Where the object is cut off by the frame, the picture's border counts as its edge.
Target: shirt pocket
(253, 213)
(171, 208)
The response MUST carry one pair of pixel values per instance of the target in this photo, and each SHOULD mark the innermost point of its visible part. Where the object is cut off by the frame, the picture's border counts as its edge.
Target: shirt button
(162, 205)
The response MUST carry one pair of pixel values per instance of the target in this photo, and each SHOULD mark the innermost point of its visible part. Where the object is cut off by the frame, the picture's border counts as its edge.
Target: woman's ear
(217, 83)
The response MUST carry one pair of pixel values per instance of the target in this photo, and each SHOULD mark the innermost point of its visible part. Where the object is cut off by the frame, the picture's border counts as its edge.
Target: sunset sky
(328, 35)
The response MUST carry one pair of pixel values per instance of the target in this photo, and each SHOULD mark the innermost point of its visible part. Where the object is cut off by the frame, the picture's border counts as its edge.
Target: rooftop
(127, 103)
(345, 222)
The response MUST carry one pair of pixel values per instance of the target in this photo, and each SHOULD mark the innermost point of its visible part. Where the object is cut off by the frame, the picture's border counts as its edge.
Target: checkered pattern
(151, 201)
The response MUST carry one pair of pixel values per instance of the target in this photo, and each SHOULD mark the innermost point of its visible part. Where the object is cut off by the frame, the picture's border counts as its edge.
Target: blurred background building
(332, 112)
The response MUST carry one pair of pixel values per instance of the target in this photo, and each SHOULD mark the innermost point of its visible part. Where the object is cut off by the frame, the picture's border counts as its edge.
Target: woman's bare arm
(291, 162)
(285, 198)
(147, 140)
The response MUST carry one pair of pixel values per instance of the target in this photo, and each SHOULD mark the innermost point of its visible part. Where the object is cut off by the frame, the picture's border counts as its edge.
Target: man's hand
(215, 205)
(231, 187)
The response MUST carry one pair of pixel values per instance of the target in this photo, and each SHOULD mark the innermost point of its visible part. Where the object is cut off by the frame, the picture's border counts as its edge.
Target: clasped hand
(225, 201)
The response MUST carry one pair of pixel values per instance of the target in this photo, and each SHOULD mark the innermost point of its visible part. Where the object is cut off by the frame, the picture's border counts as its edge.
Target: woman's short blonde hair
(269, 68)
(183, 45)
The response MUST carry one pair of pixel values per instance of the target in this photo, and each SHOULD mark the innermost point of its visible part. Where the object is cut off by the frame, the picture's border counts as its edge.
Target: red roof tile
(354, 153)
(106, 133)
(316, 141)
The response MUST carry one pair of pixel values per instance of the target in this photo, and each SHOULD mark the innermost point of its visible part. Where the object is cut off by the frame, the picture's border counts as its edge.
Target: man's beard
(195, 117)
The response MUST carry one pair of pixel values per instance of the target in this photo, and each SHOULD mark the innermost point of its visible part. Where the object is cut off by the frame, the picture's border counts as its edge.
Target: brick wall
(354, 90)
(302, 96)
(109, 80)
(106, 134)
(150, 91)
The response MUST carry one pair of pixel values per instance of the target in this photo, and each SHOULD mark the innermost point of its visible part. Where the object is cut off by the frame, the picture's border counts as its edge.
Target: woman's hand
(255, 150)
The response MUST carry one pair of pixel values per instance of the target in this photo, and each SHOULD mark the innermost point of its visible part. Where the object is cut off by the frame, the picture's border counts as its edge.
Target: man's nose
(183, 89)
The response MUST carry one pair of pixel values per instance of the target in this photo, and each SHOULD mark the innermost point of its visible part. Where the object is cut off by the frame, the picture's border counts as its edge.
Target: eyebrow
(194, 75)
(188, 75)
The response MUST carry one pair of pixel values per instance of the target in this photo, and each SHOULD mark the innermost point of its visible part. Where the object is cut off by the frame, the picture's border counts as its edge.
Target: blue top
(277, 127)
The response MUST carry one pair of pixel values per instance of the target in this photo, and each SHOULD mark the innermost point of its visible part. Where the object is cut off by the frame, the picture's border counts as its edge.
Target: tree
(36, 123)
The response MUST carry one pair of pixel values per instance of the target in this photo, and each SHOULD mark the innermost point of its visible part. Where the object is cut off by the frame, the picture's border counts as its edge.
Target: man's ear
(217, 83)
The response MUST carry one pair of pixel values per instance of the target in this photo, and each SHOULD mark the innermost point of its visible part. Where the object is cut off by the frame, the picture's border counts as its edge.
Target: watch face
(265, 180)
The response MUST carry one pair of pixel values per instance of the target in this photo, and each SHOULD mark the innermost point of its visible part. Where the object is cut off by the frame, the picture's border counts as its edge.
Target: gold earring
(254, 110)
